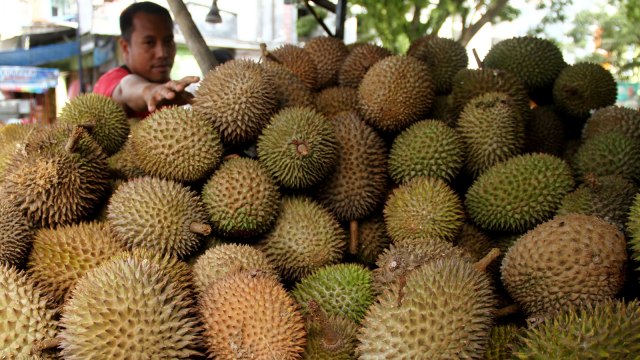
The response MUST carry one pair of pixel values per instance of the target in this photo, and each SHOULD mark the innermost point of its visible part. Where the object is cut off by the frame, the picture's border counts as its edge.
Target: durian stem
(73, 139)
(507, 310)
(354, 241)
(200, 228)
(301, 147)
(42, 345)
(478, 61)
(330, 338)
(483, 263)
(88, 127)
(231, 156)
(268, 55)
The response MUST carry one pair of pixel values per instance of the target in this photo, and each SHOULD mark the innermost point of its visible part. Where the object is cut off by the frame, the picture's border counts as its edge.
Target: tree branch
(488, 16)
(325, 4)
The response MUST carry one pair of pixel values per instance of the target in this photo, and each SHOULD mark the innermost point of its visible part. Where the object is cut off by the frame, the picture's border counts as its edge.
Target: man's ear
(124, 46)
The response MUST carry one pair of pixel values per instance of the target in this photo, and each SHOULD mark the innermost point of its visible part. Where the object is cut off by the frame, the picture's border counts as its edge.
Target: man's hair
(147, 7)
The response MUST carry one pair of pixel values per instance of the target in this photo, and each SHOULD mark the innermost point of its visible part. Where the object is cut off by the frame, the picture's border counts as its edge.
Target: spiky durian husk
(305, 238)
(633, 228)
(238, 97)
(608, 197)
(123, 164)
(357, 184)
(396, 92)
(571, 260)
(107, 119)
(613, 119)
(423, 208)
(503, 341)
(331, 338)
(328, 53)
(334, 100)
(445, 58)
(178, 144)
(519, 193)
(225, 259)
(582, 87)
(129, 307)
(444, 310)
(358, 62)
(492, 129)
(545, 131)
(241, 198)
(59, 177)
(299, 61)
(290, 90)
(63, 255)
(249, 315)
(341, 290)
(25, 319)
(608, 154)
(426, 148)
(15, 235)
(298, 148)
(156, 214)
(372, 239)
(608, 330)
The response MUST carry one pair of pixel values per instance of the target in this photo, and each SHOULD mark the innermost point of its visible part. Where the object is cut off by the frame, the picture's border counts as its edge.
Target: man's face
(151, 50)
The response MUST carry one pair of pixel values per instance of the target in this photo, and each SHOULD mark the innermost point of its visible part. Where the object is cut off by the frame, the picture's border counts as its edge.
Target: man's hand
(170, 93)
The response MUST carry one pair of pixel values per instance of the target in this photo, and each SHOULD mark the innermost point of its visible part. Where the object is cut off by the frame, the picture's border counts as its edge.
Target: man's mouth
(161, 67)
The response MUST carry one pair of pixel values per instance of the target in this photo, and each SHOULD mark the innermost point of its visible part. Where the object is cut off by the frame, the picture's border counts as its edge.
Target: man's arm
(140, 95)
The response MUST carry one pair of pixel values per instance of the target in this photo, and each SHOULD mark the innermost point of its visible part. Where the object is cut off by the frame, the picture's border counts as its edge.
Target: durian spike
(231, 156)
(591, 179)
(42, 345)
(268, 55)
(330, 338)
(73, 139)
(483, 263)
(354, 237)
(507, 310)
(200, 228)
(475, 55)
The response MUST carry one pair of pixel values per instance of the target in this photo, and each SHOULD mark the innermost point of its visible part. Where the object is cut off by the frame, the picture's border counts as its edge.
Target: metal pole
(79, 39)
(341, 15)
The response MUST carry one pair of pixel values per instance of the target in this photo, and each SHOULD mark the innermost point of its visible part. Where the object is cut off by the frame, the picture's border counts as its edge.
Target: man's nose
(161, 50)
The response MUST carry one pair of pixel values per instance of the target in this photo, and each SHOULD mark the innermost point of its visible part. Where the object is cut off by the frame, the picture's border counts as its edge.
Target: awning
(40, 54)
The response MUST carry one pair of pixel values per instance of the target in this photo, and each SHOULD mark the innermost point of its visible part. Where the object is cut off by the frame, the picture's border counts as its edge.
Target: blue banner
(28, 79)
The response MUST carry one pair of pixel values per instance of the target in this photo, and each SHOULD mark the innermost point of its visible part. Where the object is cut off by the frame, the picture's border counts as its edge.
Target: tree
(398, 22)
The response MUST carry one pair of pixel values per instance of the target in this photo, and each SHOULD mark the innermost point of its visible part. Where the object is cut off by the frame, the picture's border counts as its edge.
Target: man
(144, 83)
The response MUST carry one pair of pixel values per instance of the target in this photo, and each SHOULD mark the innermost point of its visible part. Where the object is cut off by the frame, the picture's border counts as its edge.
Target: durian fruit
(396, 92)
(123, 164)
(59, 177)
(545, 131)
(328, 53)
(329, 337)
(571, 260)
(440, 110)
(333, 100)
(519, 193)
(582, 87)
(473, 241)
(423, 208)
(298, 148)
(607, 197)
(470, 83)
(305, 238)
(290, 90)
(15, 235)
(358, 183)
(25, 320)
(248, 315)
(493, 130)
(608, 330)
(178, 144)
(298, 60)
(426, 148)
(372, 239)
(341, 290)
(444, 310)
(241, 198)
(445, 58)
(613, 119)
(238, 97)
(358, 62)
(12, 138)
(503, 341)
(63, 255)
(157, 214)
(225, 259)
(129, 307)
(396, 262)
(103, 118)
(633, 228)
(608, 154)
(536, 62)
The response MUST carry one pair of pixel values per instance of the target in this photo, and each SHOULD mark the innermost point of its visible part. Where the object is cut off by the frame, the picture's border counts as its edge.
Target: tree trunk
(492, 11)
(195, 41)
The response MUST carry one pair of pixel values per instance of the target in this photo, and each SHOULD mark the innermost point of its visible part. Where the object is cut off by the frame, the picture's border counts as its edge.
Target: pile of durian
(332, 202)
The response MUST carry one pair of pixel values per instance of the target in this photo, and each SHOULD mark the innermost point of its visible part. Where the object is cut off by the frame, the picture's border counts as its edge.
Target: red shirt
(108, 82)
